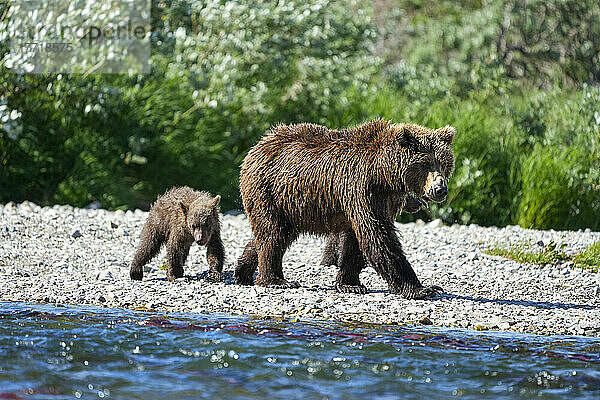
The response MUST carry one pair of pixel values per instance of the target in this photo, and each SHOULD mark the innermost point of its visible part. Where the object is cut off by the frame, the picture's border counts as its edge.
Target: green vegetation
(551, 254)
(590, 257)
(520, 81)
(523, 253)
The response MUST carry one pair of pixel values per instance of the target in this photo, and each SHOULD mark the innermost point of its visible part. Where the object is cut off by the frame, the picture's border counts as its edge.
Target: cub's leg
(331, 254)
(351, 262)
(150, 243)
(270, 248)
(246, 265)
(177, 252)
(215, 256)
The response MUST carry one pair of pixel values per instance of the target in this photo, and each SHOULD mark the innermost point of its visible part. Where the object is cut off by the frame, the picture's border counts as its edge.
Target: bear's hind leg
(351, 262)
(150, 243)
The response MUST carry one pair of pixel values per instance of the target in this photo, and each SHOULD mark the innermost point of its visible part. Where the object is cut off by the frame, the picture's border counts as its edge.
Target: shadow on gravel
(537, 304)
(203, 276)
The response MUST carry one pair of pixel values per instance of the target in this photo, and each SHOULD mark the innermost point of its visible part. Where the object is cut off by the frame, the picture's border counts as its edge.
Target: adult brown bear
(306, 178)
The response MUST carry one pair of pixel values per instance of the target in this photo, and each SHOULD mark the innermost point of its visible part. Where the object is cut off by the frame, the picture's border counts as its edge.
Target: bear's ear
(404, 137)
(446, 133)
(183, 208)
(215, 201)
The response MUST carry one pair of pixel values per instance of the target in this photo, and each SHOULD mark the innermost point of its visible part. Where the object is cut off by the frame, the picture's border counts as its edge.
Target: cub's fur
(177, 219)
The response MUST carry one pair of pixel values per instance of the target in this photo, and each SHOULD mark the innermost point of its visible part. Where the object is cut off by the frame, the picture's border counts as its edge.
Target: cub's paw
(215, 276)
(424, 292)
(358, 289)
(172, 275)
(243, 279)
(136, 275)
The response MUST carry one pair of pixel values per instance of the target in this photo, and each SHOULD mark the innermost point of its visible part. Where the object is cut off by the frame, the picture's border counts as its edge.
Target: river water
(49, 352)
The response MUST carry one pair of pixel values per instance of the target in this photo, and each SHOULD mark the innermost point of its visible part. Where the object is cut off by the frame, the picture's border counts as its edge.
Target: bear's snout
(438, 190)
(201, 239)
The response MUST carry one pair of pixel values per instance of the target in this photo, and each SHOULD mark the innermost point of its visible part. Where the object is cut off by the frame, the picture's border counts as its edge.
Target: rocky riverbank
(67, 255)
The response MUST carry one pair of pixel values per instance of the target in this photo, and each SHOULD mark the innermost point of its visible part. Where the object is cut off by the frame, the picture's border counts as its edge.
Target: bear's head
(428, 161)
(202, 218)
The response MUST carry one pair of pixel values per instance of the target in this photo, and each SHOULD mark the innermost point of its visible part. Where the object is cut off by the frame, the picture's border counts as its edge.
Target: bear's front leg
(380, 246)
(215, 257)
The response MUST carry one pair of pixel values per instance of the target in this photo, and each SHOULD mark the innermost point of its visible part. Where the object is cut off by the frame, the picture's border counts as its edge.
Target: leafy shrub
(528, 142)
(223, 72)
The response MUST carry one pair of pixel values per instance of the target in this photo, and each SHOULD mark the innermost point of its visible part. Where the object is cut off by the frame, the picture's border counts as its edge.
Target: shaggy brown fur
(307, 178)
(336, 243)
(179, 218)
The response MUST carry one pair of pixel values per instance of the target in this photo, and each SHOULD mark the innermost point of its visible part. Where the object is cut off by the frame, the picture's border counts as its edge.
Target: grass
(589, 258)
(551, 254)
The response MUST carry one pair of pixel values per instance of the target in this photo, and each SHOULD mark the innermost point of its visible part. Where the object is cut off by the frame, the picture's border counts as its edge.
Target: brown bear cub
(306, 178)
(179, 218)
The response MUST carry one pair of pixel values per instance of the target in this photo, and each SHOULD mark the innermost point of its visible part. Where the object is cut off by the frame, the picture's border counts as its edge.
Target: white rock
(436, 223)
(104, 274)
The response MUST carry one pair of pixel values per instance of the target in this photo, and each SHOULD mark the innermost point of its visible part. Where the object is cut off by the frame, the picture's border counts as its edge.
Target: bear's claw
(425, 292)
(136, 275)
(358, 289)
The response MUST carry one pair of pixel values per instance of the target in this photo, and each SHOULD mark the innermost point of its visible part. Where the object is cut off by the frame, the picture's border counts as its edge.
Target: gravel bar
(66, 255)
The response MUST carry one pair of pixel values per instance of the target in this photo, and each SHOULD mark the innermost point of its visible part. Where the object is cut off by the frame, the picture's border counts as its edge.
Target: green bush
(223, 72)
(559, 133)
(518, 79)
(556, 190)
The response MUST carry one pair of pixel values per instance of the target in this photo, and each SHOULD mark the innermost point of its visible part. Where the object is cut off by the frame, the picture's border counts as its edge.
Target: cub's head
(428, 161)
(202, 217)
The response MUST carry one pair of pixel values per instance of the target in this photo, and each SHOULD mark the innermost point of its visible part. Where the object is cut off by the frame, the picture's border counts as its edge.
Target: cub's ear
(183, 208)
(446, 133)
(215, 201)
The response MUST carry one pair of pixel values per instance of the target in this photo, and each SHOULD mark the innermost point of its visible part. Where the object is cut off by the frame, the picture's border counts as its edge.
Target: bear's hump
(313, 135)
(310, 135)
